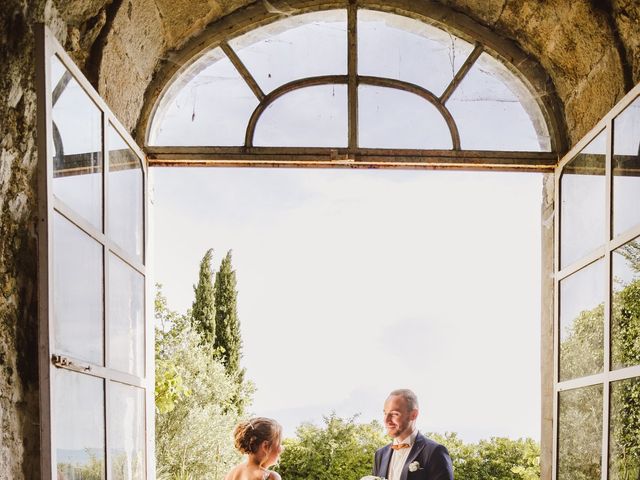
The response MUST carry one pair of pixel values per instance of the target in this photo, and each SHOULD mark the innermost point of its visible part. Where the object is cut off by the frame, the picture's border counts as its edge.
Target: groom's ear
(414, 414)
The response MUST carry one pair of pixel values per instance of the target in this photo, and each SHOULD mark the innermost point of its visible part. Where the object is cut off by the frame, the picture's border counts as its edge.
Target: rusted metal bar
(294, 157)
(421, 92)
(460, 74)
(242, 70)
(345, 79)
(280, 91)
(352, 72)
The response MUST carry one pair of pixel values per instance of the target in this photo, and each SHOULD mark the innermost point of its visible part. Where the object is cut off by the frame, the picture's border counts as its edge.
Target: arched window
(357, 82)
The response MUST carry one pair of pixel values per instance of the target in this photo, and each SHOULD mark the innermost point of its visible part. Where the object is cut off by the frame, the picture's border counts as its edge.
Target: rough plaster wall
(18, 374)
(627, 19)
(19, 428)
(131, 49)
(183, 19)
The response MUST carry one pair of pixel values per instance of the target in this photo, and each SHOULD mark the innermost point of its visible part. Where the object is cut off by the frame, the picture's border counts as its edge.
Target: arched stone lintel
(256, 15)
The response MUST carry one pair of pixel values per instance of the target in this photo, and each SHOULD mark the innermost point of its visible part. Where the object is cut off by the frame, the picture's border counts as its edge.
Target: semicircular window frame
(516, 83)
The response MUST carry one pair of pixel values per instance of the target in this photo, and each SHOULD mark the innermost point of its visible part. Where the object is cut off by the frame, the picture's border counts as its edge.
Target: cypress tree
(203, 310)
(228, 340)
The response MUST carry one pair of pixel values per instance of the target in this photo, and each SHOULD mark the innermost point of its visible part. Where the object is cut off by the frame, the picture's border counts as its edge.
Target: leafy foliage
(339, 450)
(494, 459)
(342, 449)
(582, 348)
(228, 340)
(203, 311)
(195, 414)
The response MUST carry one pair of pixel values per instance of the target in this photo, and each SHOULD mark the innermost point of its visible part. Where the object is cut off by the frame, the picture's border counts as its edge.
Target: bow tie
(399, 446)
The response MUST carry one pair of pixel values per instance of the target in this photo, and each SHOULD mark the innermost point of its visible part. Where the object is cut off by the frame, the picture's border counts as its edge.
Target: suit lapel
(384, 462)
(418, 445)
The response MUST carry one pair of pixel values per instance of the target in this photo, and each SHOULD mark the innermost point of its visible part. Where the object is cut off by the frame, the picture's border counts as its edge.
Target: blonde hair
(250, 434)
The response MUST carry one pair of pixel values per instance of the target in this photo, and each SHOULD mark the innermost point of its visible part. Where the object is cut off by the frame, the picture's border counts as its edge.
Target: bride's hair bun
(251, 433)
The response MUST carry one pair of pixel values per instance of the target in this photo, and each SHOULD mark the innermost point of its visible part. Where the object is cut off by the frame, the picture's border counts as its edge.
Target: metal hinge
(63, 362)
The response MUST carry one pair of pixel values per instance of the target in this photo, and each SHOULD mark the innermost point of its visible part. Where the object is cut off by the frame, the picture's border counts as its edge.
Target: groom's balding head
(410, 398)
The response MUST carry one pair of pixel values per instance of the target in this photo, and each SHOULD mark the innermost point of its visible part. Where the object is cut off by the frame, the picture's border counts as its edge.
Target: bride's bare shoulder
(234, 473)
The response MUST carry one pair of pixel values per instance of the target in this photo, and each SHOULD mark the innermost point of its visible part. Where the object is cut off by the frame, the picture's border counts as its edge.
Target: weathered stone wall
(18, 351)
(591, 50)
(19, 402)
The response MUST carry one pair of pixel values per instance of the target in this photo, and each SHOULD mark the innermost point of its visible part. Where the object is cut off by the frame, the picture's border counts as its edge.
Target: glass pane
(77, 146)
(126, 432)
(309, 117)
(77, 290)
(125, 195)
(624, 436)
(582, 322)
(582, 210)
(390, 118)
(126, 317)
(580, 434)
(78, 425)
(625, 306)
(402, 48)
(299, 46)
(209, 105)
(626, 169)
(490, 91)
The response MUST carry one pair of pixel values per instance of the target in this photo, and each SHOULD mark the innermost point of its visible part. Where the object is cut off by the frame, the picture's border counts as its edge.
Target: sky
(356, 282)
(353, 283)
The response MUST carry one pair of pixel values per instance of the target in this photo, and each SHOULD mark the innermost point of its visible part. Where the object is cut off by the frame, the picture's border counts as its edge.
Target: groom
(411, 456)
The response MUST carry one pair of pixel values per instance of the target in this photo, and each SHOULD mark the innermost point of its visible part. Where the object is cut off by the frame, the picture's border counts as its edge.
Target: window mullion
(352, 73)
(242, 70)
(105, 246)
(106, 252)
(556, 323)
(606, 393)
(460, 74)
(107, 440)
(45, 239)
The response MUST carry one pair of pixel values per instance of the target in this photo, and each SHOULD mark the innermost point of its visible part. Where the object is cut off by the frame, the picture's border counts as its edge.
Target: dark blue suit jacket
(434, 460)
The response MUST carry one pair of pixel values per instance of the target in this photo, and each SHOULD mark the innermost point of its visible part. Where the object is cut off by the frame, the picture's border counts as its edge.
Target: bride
(260, 439)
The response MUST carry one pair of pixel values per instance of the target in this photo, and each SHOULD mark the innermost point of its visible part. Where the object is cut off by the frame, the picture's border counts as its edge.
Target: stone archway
(589, 50)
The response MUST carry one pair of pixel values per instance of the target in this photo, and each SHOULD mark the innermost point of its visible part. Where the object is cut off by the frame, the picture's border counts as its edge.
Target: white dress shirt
(399, 457)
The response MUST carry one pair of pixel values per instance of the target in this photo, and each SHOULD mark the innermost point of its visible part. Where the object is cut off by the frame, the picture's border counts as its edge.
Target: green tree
(494, 459)
(203, 310)
(228, 340)
(340, 450)
(195, 413)
(169, 388)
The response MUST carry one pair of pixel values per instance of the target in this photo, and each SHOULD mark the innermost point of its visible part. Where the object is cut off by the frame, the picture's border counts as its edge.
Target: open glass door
(597, 285)
(96, 350)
